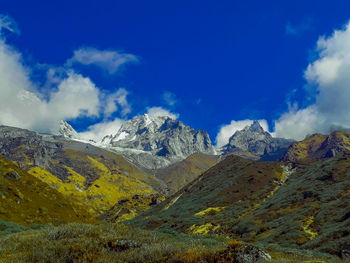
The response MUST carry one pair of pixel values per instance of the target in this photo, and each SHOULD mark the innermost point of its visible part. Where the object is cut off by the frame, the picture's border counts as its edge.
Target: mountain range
(154, 142)
(162, 175)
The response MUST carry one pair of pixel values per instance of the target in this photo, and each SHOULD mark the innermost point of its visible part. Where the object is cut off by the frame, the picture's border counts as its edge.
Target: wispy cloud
(6, 22)
(297, 29)
(116, 100)
(109, 60)
(169, 98)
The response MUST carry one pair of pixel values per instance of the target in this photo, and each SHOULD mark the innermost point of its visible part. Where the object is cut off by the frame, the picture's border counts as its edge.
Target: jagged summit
(67, 131)
(157, 141)
(255, 127)
(254, 142)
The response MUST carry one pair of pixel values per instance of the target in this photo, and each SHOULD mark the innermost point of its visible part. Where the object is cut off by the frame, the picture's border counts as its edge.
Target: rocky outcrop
(238, 252)
(254, 143)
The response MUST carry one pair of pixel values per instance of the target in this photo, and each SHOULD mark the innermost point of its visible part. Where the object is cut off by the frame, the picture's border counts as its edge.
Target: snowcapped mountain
(154, 142)
(256, 142)
(158, 141)
(67, 131)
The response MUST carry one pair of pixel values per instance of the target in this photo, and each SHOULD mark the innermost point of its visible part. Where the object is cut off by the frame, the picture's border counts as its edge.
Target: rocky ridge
(254, 143)
(156, 142)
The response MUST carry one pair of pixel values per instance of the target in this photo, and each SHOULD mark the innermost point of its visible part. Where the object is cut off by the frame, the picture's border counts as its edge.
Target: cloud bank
(329, 76)
(99, 130)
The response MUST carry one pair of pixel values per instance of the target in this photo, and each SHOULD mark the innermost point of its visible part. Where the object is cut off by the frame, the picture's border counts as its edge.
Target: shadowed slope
(180, 174)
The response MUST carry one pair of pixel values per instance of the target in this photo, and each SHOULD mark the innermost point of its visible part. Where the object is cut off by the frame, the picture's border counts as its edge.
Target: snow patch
(121, 136)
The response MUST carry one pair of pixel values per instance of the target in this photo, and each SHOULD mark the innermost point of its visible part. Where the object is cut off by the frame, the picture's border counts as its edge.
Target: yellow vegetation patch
(106, 191)
(46, 177)
(306, 228)
(210, 211)
(27, 200)
(203, 229)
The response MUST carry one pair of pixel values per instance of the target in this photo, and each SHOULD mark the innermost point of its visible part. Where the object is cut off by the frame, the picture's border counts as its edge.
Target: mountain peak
(255, 126)
(67, 131)
(157, 141)
(254, 140)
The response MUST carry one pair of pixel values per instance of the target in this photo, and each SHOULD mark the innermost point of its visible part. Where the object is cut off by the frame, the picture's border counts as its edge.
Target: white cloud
(117, 99)
(169, 98)
(97, 131)
(159, 111)
(330, 74)
(109, 60)
(226, 131)
(21, 104)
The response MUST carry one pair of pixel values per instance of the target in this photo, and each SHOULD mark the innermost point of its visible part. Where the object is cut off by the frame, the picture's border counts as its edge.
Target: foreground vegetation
(120, 243)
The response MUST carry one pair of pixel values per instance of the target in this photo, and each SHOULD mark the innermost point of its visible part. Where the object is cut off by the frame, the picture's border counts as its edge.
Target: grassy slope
(92, 176)
(180, 174)
(26, 200)
(120, 243)
(257, 202)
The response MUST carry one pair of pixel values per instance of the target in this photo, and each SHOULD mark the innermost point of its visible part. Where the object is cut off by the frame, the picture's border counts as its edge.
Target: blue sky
(210, 62)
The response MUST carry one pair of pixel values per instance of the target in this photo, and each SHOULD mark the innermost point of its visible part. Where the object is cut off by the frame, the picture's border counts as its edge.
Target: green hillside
(274, 204)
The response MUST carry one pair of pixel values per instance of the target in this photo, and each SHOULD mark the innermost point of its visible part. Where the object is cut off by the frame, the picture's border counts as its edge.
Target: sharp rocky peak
(67, 131)
(255, 140)
(165, 141)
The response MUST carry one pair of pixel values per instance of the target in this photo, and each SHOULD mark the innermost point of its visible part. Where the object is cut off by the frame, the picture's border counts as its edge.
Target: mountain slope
(156, 142)
(318, 146)
(305, 207)
(26, 200)
(180, 174)
(91, 175)
(254, 143)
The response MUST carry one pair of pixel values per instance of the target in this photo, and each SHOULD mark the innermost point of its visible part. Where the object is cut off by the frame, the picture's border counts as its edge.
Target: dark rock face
(13, 175)
(254, 140)
(24, 146)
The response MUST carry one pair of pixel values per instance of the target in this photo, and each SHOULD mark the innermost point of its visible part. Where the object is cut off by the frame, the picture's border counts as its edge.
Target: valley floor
(121, 243)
